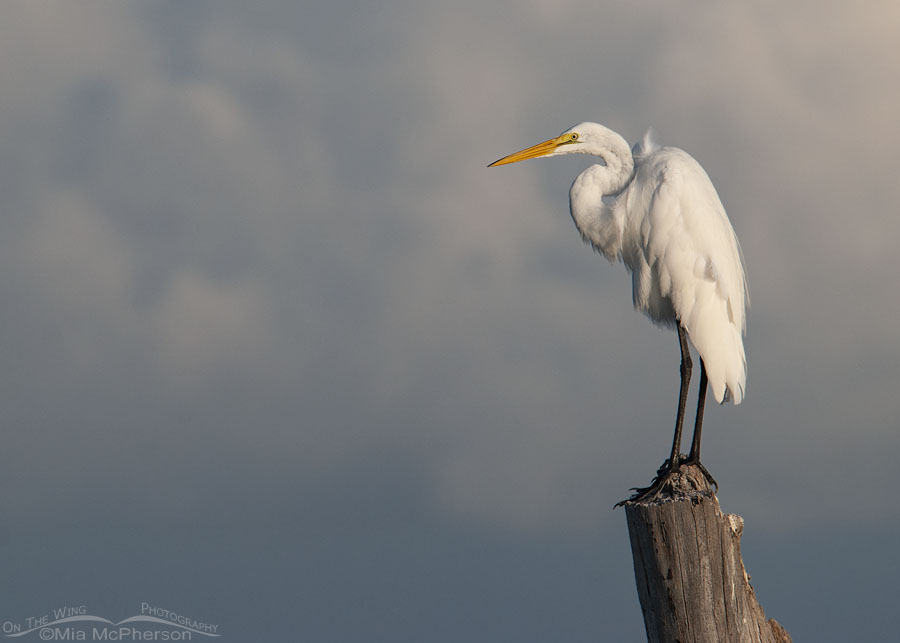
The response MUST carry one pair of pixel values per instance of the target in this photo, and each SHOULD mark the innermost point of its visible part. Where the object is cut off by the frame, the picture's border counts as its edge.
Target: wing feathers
(693, 260)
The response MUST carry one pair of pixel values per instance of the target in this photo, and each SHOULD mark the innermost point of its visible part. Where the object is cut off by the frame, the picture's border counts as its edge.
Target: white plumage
(656, 210)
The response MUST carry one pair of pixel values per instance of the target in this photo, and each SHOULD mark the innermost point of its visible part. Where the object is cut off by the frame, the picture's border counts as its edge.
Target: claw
(667, 480)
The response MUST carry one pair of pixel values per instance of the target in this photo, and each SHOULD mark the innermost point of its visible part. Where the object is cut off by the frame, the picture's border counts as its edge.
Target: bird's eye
(573, 136)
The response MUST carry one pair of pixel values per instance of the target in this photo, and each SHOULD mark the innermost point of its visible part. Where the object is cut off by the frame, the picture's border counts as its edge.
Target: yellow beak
(533, 152)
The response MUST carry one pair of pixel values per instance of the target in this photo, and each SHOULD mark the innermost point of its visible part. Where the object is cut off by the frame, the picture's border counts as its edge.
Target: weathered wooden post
(687, 564)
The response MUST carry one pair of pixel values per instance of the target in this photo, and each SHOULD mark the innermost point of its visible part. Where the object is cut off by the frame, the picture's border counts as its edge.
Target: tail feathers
(721, 347)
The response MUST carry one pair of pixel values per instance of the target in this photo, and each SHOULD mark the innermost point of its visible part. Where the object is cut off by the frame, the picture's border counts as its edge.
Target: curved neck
(598, 181)
(619, 169)
(600, 222)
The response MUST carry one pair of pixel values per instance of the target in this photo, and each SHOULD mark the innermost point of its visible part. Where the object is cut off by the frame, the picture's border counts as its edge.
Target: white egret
(656, 210)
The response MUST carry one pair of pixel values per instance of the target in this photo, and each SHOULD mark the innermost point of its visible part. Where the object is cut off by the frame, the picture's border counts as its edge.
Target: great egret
(656, 210)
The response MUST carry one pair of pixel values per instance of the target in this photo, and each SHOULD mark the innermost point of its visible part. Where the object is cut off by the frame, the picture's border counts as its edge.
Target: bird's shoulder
(671, 166)
(670, 180)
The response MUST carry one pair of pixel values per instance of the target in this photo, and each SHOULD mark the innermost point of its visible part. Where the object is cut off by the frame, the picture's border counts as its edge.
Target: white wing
(694, 263)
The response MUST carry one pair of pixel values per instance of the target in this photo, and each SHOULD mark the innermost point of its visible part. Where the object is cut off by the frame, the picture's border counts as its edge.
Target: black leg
(698, 423)
(686, 367)
(670, 470)
(694, 456)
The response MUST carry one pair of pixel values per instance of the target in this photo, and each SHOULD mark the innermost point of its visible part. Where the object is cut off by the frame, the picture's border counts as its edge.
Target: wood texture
(691, 581)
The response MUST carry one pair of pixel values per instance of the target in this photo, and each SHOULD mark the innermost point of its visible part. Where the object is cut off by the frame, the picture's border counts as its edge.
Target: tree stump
(690, 577)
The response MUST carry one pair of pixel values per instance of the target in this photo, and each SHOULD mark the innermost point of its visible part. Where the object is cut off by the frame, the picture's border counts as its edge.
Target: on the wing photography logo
(76, 623)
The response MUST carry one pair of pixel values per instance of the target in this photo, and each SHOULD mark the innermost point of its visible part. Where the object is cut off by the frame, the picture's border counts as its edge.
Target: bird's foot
(664, 481)
(684, 477)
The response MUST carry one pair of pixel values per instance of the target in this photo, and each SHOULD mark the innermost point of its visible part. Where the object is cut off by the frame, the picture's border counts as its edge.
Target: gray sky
(282, 353)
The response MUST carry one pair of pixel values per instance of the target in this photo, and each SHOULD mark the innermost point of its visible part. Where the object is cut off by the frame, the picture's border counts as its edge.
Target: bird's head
(565, 143)
(584, 138)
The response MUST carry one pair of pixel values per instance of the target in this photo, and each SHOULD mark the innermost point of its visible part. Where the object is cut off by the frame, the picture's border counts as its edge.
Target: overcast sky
(281, 353)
